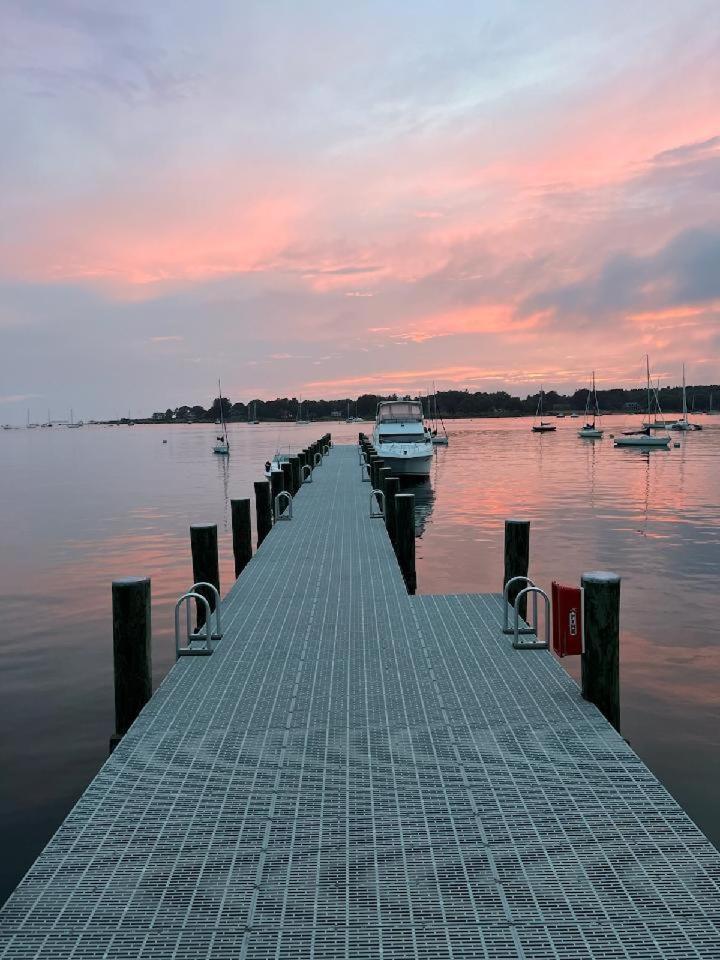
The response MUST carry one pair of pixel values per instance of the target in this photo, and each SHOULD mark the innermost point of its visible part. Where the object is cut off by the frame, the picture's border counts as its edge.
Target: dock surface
(356, 773)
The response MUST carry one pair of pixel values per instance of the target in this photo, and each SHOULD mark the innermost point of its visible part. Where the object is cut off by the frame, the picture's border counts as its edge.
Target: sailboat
(438, 439)
(222, 444)
(542, 426)
(684, 424)
(657, 423)
(30, 426)
(300, 418)
(710, 411)
(591, 431)
(643, 438)
(252, 412)
(74, 425)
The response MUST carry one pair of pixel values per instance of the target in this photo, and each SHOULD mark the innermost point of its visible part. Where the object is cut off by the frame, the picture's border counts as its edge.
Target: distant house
(336, 414)
(632, 407)
(158, 416)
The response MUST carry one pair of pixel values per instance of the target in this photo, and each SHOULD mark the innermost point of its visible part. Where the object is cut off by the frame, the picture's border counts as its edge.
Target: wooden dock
(358, 773)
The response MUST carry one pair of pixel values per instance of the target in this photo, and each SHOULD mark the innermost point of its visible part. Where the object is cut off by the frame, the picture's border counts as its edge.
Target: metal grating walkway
(355, 773)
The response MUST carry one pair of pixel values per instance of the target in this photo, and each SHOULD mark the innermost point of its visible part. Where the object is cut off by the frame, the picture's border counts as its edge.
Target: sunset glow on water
(79, 508)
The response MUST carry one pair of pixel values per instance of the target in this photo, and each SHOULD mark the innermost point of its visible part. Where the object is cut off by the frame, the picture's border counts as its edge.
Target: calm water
(78, 508)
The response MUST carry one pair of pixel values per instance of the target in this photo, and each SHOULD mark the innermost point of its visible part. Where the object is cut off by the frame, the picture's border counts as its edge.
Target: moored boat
(683, 424)
(222, 443)
(643, 438)
(400, 438)
(540, 425)
(591, 431)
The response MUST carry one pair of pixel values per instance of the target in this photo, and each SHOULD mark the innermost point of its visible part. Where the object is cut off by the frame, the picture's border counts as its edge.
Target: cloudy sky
(320, 199)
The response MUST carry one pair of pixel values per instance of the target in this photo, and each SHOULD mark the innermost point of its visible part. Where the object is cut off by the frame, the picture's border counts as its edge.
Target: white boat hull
(642, 441)
(590, 434)
(407, 466)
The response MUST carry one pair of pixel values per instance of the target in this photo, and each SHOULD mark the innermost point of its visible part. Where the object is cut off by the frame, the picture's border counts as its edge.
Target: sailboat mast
(222, 415)
(647, 368)
(684, 396)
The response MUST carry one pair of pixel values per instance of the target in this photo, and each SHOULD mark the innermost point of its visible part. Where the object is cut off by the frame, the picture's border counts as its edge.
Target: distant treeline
(450, 403)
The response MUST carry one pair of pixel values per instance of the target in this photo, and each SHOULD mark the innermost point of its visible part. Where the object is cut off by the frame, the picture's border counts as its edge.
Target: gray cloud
(684, 271)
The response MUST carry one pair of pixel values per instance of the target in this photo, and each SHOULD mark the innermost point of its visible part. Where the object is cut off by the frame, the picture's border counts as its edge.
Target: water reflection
(78, 508)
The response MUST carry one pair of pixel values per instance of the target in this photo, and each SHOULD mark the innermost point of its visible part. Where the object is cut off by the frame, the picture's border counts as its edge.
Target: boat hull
(544, 429)
(646, 442)
(590, 434)
(406, 465)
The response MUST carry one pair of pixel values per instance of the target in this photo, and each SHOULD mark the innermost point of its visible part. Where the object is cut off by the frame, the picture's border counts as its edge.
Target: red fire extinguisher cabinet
(567, 620)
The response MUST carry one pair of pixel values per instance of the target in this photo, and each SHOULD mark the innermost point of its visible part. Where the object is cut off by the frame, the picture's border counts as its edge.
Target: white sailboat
(683, 424)
(591, 431)
(540, 425)
(30, 426)
(300, 418)
(643, 438)
(74, 424)
(222, 444)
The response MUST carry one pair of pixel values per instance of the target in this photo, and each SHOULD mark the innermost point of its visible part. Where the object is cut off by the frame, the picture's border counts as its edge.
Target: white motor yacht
(400, 438)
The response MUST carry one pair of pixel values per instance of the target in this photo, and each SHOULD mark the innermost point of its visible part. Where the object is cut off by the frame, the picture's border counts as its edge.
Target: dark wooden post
(263, 509)
(600, 661)
(391, 487)
(206, 569)
(132, 655)
(287, 477)
(383, 474)
(405, 534)
(277, 480)
(295, 468)
(517, 559)
(241, 534)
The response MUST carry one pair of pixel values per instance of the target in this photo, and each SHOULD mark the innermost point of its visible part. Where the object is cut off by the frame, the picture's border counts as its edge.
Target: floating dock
(358, 773)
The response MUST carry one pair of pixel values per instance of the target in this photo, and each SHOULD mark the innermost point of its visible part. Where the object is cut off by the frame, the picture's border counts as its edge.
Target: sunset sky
(322, 199)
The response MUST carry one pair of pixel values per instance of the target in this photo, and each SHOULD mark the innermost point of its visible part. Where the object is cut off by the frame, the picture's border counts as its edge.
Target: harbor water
(80, 508)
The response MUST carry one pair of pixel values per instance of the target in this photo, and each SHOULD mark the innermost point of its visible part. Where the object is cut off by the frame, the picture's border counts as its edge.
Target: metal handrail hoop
(379, 496)
(217, 634)
(507, 629)
(317, 460)
(288, 514)
(206, 637)
(306, 477)
(365, 472)
(535, 644)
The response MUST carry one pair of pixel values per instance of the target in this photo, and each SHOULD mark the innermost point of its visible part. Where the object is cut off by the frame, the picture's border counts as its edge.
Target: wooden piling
(132, 655)
(241, 534)
(206, 569)
(517, 559)
(277, 479)
(600, 661)
(287, 479)
(405, 538)
(383, 474)
(263, 509)
(295, 468)
(391, 487)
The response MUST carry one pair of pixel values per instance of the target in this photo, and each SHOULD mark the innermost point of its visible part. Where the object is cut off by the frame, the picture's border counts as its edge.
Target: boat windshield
(399, 410)
(401, 438)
